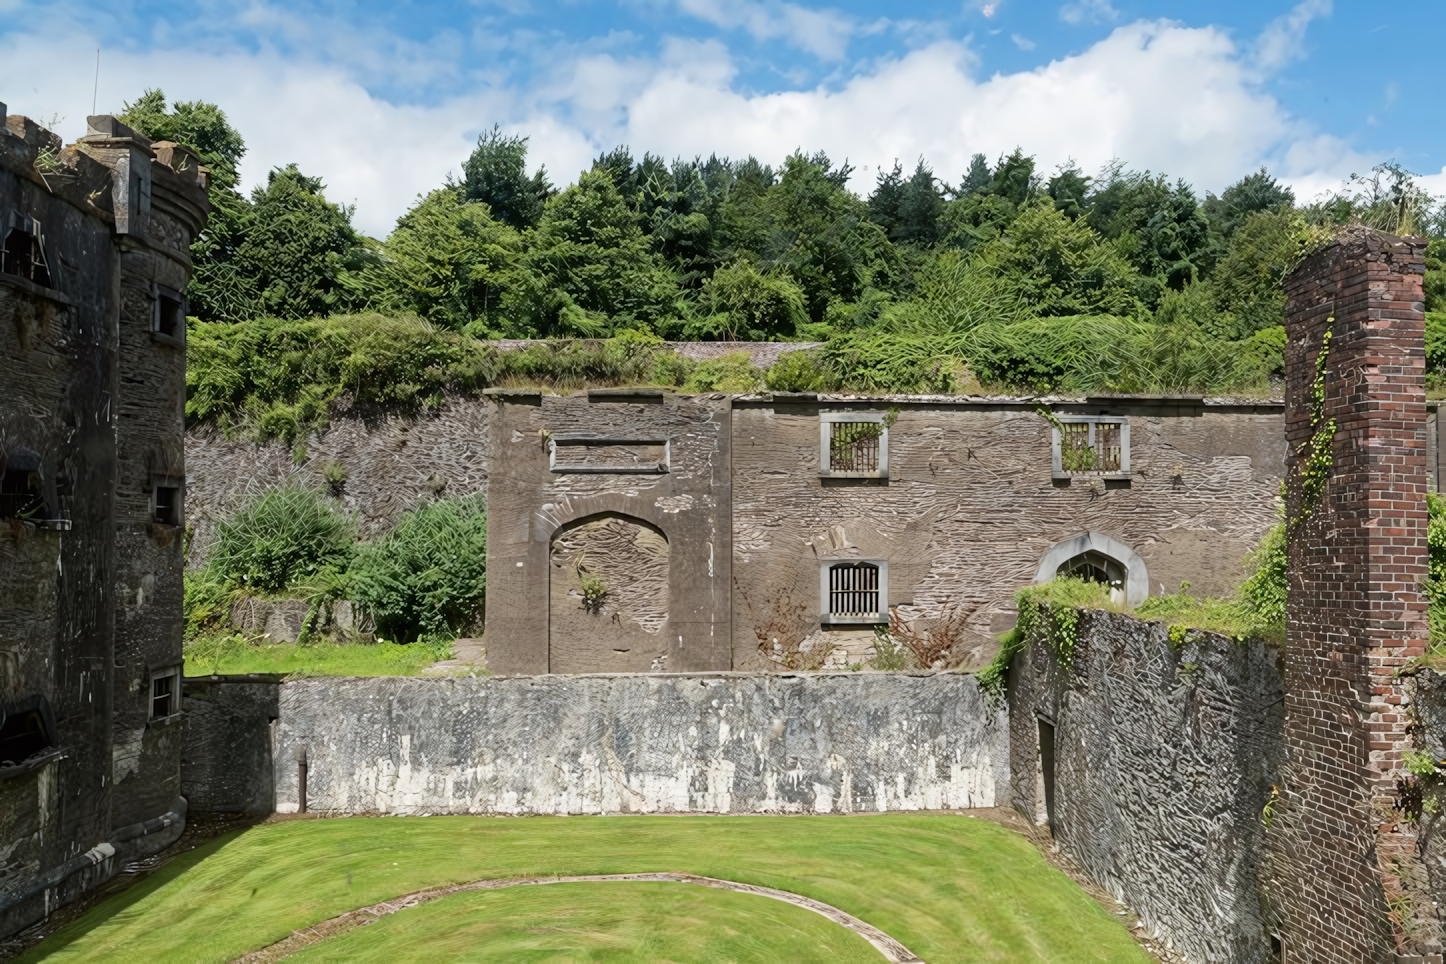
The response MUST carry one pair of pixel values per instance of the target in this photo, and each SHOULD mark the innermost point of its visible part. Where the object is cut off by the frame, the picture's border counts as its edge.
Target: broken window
(1089, 446)
(166, 500)
(22, 491)
(26, 729)
(854, 445)
(24, 251)
(165, 693)
(855, 592)
(168, 313)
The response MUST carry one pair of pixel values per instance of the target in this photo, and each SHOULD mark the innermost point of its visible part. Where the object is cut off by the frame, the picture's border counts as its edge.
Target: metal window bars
(1090, 447)
(854, 446)
(853, 590)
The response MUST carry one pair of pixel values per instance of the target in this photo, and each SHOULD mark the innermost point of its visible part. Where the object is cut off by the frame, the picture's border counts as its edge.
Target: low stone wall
(1153, 763)
(226, 761)
(1427, 690)
(726, 743)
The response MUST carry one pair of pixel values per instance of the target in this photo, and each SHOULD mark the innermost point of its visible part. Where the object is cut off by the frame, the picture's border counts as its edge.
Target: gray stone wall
(607, 744)
(392, 462)
(970, 506)
(226, 762)
(1153, 764)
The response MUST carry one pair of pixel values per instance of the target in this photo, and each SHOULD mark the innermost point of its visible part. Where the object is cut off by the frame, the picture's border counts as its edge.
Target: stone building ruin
(96, 253)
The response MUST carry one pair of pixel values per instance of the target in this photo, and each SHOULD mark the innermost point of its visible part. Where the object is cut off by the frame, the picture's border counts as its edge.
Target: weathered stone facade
(662, 743)
(92, 385)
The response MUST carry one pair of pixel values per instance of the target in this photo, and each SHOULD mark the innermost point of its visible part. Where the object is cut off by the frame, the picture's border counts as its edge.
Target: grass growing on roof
(950, 888)
(226, 655)
(642, 922)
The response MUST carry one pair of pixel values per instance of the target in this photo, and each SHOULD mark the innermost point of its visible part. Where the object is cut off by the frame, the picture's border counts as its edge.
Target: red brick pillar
(1343, 880)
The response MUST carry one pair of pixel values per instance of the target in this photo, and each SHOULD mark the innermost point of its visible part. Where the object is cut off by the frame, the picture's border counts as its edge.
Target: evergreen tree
(496, 175)
(591, 270)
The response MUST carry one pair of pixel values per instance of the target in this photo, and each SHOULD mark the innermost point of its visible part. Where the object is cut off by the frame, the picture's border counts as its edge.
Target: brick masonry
(1341, 860)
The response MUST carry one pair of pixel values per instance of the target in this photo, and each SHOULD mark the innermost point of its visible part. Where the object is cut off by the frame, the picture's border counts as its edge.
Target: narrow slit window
(168, 314)
(855, 592)
(22, 491)
(25, 730)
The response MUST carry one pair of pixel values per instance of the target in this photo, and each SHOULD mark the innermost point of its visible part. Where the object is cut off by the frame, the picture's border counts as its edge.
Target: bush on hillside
(427, 578)
(283, 537)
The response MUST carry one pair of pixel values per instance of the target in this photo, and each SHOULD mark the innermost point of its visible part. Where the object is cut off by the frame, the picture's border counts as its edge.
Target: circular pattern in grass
(604, 921)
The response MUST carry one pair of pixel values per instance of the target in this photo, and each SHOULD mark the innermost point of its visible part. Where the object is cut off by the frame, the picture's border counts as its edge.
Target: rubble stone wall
(1153, 764)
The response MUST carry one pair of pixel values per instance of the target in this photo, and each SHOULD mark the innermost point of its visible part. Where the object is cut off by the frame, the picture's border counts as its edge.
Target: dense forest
(1119, 280)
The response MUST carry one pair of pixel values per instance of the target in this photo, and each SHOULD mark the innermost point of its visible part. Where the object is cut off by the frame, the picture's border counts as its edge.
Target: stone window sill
(39, 291)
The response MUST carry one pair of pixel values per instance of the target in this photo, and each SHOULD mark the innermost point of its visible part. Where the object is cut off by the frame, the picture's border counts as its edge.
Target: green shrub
(427, 578)
(797, 371)
(282, 537)
(1263, 592)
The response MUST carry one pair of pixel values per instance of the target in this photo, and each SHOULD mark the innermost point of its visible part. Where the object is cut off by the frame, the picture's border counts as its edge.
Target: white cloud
(823, 33)
(1022, 42)
(1159, 95)
(1283, 39)
(1092, 11)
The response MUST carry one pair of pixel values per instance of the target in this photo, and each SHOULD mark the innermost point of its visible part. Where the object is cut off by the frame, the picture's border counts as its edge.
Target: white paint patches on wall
(641, 744)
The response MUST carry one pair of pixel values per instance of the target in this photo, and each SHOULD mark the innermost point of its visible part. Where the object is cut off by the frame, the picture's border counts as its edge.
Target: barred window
(1085, 446)
(854, 445)
(855, 592)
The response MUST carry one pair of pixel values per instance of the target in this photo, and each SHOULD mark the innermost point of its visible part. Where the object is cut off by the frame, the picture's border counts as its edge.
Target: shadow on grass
(115, 904)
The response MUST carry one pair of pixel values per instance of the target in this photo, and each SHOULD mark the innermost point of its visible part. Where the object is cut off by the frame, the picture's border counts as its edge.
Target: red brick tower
(1344, 881)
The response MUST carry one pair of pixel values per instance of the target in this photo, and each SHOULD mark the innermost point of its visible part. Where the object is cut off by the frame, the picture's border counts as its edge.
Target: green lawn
(222, 655)
(951, 888)
(642, 922)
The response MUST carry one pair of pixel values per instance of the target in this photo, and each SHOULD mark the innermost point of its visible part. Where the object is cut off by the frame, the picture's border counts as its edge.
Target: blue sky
(383, 99)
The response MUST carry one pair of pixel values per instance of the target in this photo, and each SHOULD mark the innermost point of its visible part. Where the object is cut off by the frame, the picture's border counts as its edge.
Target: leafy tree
(1246, 282)
(218, 291)
(496, 175)
(299, 250)
(740, 304)
(988, 208)
(447, 261)
(1062, 267)
(1161, 227)
(592, 270)
(1435, 283)
(821, 234)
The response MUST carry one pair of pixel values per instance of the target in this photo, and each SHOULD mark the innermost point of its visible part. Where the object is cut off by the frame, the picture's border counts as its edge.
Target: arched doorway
(1096, 557)
(608, 596)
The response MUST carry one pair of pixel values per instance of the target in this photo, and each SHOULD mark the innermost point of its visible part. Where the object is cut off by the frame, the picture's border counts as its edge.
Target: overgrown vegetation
(1011, 278)
(425, 580)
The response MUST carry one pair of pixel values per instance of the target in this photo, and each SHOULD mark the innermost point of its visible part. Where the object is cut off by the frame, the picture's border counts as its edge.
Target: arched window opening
(1098, 568)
